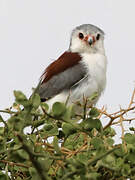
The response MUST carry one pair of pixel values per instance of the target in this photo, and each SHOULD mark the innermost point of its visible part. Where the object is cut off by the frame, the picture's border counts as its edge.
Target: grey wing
(62, 81)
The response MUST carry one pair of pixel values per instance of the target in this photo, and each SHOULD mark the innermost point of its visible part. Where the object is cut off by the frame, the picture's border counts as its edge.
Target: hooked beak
(90, 39)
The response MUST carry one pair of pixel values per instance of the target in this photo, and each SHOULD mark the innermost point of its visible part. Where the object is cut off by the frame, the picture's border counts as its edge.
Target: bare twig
(14, 164)
(119, 114)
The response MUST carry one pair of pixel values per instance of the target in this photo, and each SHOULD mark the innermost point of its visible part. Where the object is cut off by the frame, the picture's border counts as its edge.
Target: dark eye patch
(81, 36)
(98, 36)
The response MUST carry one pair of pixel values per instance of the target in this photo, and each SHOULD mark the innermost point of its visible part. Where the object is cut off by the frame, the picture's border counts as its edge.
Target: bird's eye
(98, 36)
(81, 36)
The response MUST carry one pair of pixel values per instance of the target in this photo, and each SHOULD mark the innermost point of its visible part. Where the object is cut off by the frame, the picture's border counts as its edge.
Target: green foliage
(79, 148)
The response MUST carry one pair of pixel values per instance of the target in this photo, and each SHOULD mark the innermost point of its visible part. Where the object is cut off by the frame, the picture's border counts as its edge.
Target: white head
(87, 38)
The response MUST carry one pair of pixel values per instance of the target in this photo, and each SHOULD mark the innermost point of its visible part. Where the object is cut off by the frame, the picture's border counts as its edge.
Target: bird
(79, 72)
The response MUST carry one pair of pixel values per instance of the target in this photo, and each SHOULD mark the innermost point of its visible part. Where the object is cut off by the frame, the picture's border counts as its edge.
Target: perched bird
(78, 72)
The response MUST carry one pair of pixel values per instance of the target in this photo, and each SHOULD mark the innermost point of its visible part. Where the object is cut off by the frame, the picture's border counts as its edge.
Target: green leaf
(68, 129)
(38, 123)
(74, 141)
(1, 138)
(45, 163)
(19, 96)
(132, 129)
(1, 130)
(120, 152)
(90, 123)
(93, 176)
(110, 141)
(109, 132)
(94, 112)
(19, 156)
(83, 157)
(2, 144)
(44, 106)
(119, 162)
(125, 170)
(109, 159)
(69, 113)
(23, 154)
(48, 127)
(97, 142)
(18, 178)
(36, 100)
(129, 138)
(34, 173)
(50, 130)
(131, 157)
(3, 176)
(58, 109)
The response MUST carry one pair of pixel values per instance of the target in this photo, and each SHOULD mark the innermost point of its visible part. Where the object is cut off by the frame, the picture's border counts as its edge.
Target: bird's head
(87, 38)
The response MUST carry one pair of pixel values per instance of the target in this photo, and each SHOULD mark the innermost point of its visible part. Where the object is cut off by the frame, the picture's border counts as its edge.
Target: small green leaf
(109, 159)
(19, 95)
(97, 142)
(131, 157)
(58, 109)
(119, 162)
(132, 129)
(34, 173)
(120, 152)
(94, 112)
(3, 176)
(44, 106)
(83, 157)
(125, 170)
(50, 130)
(93, 176)
(38, 123)
(68, 129)
(21, 99)
(2, 145)
(129, 138)
(1, 130)
(36, 100)
(109, 132)
(69, 113)
(48, 127)
(89, 124)
(23, 154)
(110, 141)
(45, 163)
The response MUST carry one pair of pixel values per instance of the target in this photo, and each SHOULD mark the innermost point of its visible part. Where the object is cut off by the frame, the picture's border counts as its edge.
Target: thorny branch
(120, 115)
(14, 164)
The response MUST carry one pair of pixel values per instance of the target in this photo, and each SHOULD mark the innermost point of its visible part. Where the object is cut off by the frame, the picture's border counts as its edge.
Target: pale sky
(35, 32)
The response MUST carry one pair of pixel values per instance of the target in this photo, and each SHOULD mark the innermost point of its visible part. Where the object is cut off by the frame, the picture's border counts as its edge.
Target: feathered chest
(96, 66)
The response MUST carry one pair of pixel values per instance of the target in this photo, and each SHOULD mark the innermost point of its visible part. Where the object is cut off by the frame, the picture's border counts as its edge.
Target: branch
(35, 163)
(14, 164)
(119, 113)
(91, 162)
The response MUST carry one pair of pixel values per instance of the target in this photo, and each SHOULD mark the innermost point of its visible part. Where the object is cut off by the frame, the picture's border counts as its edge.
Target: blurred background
(33, 33)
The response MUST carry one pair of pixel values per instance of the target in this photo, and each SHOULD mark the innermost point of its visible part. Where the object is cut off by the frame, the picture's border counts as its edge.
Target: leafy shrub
(62, 144)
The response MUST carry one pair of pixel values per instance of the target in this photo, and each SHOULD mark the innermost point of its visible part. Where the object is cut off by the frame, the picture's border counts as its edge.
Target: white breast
(96, 65)
(96, 80)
